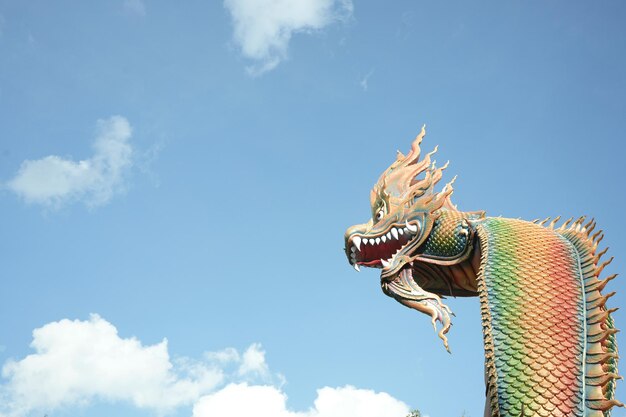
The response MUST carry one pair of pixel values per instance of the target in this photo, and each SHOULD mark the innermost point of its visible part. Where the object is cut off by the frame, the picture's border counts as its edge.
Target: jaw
(390, 248)
(404, 289)
(384, 247)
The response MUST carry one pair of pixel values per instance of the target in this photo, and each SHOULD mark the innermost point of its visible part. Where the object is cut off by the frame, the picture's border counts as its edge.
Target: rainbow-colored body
(549, 338)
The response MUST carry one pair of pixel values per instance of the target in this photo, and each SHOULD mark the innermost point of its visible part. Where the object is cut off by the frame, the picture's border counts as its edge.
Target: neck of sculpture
(448, 261)
(457, 280)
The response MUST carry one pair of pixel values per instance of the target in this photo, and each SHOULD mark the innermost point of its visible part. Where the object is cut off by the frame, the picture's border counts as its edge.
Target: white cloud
(54, 181)
(77, 363)
(243, 400)
(263, 28)
(350, 401)
(135, 7)
(253, 362)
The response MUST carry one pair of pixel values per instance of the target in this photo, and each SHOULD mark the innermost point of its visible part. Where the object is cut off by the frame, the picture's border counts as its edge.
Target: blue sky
(186, 174)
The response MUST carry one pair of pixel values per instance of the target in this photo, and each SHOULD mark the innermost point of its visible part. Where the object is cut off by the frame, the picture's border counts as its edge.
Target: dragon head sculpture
(407, 213)
(550, 343)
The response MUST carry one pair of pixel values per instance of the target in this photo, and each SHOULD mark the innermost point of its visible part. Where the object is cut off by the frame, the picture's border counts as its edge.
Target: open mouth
(378, 251)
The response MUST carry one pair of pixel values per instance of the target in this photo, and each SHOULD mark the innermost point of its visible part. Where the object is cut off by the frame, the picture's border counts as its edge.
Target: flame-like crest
(410, 183)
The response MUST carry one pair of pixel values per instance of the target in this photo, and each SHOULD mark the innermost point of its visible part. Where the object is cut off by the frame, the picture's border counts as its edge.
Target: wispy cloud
(253, 362)
(78, 363)
(53, 181)
(263, 28)
(135, 7)
(364, 83)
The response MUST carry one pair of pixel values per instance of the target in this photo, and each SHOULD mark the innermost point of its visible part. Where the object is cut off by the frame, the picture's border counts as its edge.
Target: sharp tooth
(372, 242)
(365, 242)
(411, 227)
(353, 249)
(389, 235)
(356, 266)
(357, 242)
(385, 263)
(394, 232)
(405, 230)
(383, 238)
(377, 240)
(400, 231)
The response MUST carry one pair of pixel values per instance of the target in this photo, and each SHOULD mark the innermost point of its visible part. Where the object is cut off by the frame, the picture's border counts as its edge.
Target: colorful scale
(534, 332)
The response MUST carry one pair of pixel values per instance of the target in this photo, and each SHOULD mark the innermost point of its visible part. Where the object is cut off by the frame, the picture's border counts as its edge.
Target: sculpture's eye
(380, 211)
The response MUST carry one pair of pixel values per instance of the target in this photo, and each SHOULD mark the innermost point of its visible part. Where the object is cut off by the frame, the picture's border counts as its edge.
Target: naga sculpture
(549, 338)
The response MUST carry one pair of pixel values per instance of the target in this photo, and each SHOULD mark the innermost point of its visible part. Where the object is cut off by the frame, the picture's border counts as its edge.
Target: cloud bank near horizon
(84, 362)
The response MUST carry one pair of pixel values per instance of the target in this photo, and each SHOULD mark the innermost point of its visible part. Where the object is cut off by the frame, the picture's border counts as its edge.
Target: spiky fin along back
(601, 348)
